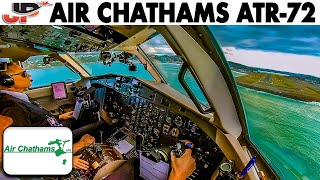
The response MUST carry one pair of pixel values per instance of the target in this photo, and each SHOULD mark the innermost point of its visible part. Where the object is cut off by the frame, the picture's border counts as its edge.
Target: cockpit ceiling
(64, 38)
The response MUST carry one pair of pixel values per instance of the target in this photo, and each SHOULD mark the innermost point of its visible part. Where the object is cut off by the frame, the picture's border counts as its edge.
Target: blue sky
(287, 39)
(293, 49)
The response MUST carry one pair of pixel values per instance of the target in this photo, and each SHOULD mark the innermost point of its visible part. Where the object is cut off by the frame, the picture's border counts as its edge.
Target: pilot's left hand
(65, 116)
(78, 163)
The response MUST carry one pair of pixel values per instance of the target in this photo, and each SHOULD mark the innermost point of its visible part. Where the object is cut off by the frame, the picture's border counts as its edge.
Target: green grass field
(287, 86)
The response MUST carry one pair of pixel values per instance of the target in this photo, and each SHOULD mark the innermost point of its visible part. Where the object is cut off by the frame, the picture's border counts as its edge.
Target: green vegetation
(36, 62)
(166, 58)
(299, 87)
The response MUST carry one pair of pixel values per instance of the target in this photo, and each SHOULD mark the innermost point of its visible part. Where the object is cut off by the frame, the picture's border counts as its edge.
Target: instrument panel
(137, 110)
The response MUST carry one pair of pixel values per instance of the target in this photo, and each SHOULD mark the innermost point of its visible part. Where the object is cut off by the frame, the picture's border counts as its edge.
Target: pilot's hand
(182, 167)
(86, 140)
(67, 115)
(78, 163)
(5, 122)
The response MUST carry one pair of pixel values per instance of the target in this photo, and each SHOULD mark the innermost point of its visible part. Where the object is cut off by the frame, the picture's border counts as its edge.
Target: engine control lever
(139, 140)
(178, 149)
(78, 133)
(101, 137)
(181, 146)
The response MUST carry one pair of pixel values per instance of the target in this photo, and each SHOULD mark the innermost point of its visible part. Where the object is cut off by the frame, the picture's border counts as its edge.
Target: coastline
(282, 93)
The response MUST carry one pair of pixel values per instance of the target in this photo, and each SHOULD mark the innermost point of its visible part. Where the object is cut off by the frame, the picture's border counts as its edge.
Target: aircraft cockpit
(139, 99)
(144, 123)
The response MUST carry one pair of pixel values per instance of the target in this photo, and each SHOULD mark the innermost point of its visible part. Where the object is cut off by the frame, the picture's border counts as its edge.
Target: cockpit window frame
(213, 48)
(203, 36)
(180, 76)
(184, 84)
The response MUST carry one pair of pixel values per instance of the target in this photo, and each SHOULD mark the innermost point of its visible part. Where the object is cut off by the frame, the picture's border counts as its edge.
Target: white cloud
(301, 64)
(158, 50)
(308, 39)
(248, 42)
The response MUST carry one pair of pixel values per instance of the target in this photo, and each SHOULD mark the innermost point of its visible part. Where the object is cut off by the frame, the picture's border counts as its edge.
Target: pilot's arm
(85, 141)
(182, 167)
(16, 113)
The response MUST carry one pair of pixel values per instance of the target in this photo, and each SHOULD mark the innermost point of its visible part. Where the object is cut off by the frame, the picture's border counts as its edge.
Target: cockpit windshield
(277, 72)
(45, 74)
(92, 63)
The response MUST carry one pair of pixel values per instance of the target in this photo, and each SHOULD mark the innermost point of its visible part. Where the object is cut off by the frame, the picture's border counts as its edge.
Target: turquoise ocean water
(286, 131)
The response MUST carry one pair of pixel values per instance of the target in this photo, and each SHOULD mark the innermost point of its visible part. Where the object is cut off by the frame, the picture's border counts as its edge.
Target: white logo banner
(142, 12)
(37, 151)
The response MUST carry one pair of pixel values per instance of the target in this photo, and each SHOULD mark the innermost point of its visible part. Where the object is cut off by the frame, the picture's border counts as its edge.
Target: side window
(165, 60)
(43, 75)
(194, 91)
(277, 72)
(169, 65)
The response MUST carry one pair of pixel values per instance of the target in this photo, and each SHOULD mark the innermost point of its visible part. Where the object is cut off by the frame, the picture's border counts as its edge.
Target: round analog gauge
(168, 119)
(174, 132)
(178, 121)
